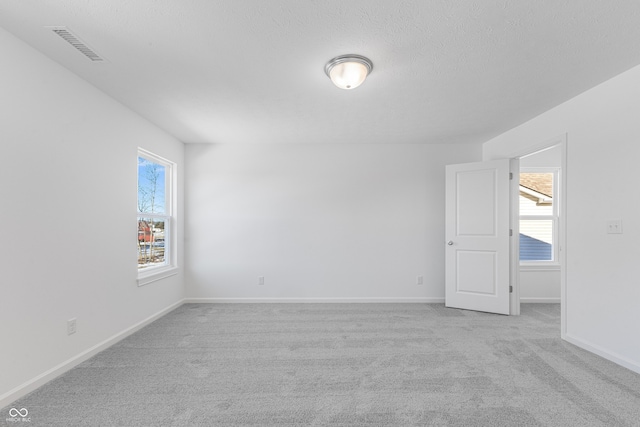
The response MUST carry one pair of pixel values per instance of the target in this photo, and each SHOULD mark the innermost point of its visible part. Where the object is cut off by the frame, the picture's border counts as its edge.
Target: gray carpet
(341, 364)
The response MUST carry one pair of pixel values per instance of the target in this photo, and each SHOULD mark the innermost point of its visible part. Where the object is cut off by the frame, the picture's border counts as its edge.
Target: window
(538, 216)
(155, 221)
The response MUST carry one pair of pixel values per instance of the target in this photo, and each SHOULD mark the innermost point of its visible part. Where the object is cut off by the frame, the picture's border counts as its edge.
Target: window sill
(539, 267)
(156, 274)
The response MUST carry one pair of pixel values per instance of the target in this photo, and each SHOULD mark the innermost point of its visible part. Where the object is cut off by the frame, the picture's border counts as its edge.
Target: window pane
(528, 206)
(536, 193)
(151, 233)
(151, 186)
(536, 240)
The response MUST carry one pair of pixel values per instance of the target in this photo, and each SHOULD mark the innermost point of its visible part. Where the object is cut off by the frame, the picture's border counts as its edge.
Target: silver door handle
(450, 242)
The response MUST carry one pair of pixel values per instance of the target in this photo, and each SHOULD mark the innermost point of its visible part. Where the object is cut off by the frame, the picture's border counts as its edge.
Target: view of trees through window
(153, 221)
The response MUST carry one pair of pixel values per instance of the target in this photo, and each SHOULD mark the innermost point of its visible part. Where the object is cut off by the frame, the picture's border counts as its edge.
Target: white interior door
(477, 236)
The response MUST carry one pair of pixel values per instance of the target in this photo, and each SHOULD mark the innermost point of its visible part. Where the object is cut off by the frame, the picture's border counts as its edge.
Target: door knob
(450, 242)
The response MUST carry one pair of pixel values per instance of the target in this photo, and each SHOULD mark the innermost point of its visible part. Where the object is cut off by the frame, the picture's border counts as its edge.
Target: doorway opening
(540, 216)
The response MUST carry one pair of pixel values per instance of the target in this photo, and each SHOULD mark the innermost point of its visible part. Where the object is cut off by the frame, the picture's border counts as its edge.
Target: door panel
(473, 185)
(476, 273)
(477, 233)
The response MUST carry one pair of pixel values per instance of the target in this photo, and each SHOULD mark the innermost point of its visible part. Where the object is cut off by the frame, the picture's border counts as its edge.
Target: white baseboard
(526, 300)
(602, 352)
(316, 300)
(29, 386)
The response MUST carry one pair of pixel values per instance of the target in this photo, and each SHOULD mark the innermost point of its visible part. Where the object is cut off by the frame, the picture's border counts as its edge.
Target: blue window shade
(534, 250)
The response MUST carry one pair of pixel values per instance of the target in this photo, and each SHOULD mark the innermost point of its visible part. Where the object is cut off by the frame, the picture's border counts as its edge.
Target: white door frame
(561, 142)
(514, 246)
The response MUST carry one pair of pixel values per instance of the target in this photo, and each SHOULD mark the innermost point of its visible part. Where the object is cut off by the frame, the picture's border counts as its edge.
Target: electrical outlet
(71, 326)
(420, 280)
(614, 226)
(261, 280)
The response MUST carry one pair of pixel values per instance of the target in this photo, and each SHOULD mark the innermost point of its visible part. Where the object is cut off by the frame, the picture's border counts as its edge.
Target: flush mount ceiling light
(348, 71)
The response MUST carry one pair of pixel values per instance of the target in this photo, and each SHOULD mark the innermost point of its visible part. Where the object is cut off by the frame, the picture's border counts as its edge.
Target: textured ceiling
(240, 71)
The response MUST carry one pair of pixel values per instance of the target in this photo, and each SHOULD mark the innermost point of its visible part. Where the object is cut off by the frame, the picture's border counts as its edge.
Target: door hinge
(510, 175)
(510, 289)
(510, 232)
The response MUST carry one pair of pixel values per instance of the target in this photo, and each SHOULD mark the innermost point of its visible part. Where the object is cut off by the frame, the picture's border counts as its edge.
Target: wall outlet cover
(71, 326)
(614, 226)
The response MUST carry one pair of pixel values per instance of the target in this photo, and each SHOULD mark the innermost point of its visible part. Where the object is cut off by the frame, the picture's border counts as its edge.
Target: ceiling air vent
(74, 41)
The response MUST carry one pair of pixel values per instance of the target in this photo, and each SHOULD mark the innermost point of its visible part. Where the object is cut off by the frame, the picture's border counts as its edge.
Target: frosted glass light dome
(348, 71)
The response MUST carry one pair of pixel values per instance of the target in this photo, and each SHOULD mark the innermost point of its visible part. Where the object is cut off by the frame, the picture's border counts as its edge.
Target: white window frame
(169, 268)
(554, 217)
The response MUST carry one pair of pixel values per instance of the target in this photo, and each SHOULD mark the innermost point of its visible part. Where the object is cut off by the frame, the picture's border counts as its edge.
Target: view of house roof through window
(539, 182)
(538, 217)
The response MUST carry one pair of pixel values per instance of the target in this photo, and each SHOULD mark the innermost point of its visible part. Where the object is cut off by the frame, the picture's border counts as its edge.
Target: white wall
(541, 284)
(549, 158)
(602, 291)
(67, 207)
(319, 222)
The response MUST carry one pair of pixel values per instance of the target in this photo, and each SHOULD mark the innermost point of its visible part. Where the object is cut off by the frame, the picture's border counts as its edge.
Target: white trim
(562, 232)
(514, 242)
(29, 386)
(531, 300)
(155, 274)
(540, 267)
(153, 215)
(541, 169)
(154, 157)
(536, 148)
(602, 352)
(422, 300)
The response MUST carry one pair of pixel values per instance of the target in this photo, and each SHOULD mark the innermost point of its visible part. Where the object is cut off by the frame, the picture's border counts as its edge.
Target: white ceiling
(251, 71)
